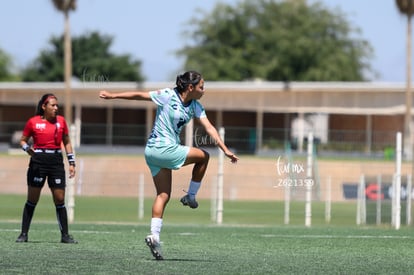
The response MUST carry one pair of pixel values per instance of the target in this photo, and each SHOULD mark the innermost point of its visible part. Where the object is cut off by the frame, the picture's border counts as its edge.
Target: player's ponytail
(187, 78)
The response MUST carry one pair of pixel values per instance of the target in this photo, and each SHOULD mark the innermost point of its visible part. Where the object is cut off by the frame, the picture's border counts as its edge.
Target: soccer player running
(48, 130)
(163, 151)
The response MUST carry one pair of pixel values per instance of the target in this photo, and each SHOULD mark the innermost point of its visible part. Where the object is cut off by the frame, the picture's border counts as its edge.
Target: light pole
(406, 7)
(65, 6)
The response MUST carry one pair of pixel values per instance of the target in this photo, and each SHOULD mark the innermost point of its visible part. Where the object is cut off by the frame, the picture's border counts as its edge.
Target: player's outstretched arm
(212, 132)
(131, 95)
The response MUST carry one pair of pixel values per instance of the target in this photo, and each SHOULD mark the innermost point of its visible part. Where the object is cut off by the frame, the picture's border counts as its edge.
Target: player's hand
(72, 171)
(31, 151)
(105, 95)
(233, 158)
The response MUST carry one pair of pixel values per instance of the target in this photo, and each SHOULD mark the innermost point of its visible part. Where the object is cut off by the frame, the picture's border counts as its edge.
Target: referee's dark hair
(187, 78)
(45, 99)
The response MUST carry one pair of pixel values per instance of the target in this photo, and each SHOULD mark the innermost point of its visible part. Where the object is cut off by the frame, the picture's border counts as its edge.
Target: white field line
(281, 236)
(77, 231)
(336, 236)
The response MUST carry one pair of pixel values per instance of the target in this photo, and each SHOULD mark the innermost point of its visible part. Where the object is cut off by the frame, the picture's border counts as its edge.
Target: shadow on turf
(182, 260)
(39, 242)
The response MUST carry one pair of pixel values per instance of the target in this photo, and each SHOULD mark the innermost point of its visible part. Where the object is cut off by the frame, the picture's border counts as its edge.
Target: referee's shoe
(22, 238)
(66, 238)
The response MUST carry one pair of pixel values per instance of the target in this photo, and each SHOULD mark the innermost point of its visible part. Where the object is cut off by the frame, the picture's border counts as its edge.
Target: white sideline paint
(187, 234)
(75, 231)
(335, 236)
(281, 236)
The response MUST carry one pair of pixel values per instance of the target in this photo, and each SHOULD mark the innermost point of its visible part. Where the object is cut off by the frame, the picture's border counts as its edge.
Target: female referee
(48, 130)
(163, 152)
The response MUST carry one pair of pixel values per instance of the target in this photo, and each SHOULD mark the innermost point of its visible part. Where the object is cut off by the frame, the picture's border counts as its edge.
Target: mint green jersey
(172, 115)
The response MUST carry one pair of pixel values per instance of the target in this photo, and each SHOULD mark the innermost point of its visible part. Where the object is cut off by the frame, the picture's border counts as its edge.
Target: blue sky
(151, 30)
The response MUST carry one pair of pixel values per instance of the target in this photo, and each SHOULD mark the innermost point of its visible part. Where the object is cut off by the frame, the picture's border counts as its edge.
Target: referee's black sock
(28, 211)
(62, 218)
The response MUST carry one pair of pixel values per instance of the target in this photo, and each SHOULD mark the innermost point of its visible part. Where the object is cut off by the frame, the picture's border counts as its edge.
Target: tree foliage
(91, 61)
(64, 5)
(276, 41)
(5, 67)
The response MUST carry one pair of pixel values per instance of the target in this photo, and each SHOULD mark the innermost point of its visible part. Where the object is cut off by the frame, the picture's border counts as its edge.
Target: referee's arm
(70, 155)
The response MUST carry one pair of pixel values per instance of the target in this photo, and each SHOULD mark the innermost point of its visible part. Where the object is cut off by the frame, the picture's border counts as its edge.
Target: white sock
(156, 224)
(193, 188)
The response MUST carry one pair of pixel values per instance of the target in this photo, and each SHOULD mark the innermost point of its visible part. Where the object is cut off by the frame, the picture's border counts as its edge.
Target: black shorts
(46, 165)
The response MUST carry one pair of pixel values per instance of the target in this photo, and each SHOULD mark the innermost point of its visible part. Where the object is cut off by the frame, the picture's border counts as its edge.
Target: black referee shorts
(48, 166)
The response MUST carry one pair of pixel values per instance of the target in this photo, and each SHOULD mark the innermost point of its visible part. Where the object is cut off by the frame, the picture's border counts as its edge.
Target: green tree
(5, 67)
(276, 41)
(91, 60)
